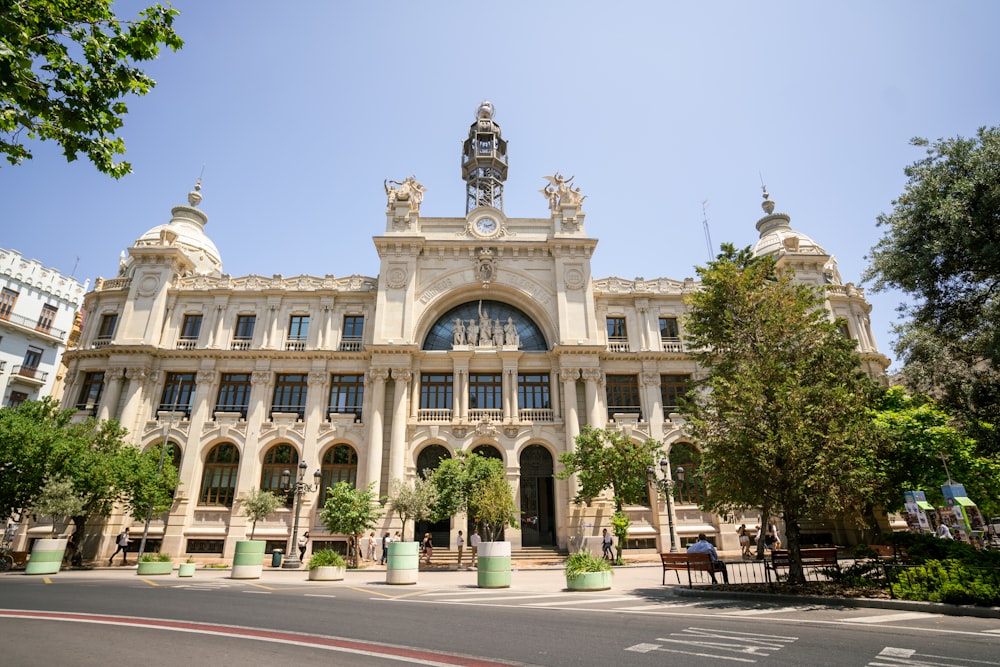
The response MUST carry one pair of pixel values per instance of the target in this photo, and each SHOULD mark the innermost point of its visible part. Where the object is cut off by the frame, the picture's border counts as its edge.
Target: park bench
(685, 561)
(813, 558)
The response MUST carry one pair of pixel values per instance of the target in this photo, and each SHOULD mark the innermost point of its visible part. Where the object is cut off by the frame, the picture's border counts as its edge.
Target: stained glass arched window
(441, 336)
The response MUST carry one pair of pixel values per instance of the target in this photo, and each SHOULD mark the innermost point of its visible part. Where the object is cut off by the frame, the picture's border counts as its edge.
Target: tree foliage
(941, 246)
(609, 459)
(782, 409)
(58, 499)
(65, 69)
(257, 504)
(412, 502)
(350, 511)
(492, 505)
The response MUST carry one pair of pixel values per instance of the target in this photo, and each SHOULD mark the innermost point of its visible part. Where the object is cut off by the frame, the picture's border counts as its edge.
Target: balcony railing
(30, 372)
(672, 345)
(351, 345)
(241, 344)
(535, 415)
(335, 410)
(630, 410)
(27, 323)
(295, 344)
(187, 343)
(435, 415)
(616, 345)
(3, 365)
(241, 409)
(485, 415)
(102, 342)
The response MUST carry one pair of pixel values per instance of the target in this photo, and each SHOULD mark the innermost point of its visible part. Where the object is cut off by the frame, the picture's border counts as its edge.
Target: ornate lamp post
(665, 485)
(299, 489)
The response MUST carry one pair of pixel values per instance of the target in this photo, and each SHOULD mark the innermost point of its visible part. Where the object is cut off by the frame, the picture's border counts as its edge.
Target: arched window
(442, 337)
(488, 452)
(340, 464)
(430, 457)
(685, 464)
(277, 460)
(218, 482)
(173, 455)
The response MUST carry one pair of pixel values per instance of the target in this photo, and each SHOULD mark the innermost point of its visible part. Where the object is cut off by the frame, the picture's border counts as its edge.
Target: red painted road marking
(403, 654)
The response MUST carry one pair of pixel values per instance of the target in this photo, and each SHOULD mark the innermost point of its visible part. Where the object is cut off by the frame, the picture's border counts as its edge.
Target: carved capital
(649, 379)
(593, 375)
(114, 374)
(136, 374)
(569, 374)
(318, 378)
(261, 377)
(206, 377)
(402, 374)
(378, 374)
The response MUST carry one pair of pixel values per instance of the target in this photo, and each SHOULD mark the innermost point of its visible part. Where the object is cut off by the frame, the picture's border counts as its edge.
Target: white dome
(186, 230)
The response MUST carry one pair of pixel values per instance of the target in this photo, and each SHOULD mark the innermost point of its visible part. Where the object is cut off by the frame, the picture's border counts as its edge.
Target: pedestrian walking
(744, 540)
(607, 545)
(122, 541)
(303, 543)
(370, 554)
(474, 541)
(427, 546)
(386, 539)
(460, 543)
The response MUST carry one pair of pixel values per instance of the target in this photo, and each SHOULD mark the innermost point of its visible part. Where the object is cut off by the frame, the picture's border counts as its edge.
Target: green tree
(29, 433)
(57, 500)
(783, 407)
(941, 246)
(258, 504)
(350, 511)
(66, 68)
(492, 505)
(456, 479)
(412, 502)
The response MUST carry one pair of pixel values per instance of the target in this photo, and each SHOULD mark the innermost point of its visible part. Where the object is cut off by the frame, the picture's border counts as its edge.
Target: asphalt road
(100, 618)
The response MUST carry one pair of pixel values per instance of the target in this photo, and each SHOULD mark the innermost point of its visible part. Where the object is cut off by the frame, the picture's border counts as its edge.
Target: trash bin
(276, 558)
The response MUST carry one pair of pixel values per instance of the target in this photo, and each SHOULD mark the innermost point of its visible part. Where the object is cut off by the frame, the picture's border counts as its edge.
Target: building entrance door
(538, 516)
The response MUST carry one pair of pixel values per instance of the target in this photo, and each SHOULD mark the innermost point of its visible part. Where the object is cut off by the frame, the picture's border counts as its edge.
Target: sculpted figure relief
(510, 333)
(559, 191)
(458, 332)
(408, 190)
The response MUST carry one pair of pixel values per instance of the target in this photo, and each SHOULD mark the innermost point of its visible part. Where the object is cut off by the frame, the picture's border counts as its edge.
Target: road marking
(151, 583)
(891, 656)
(761, 612)
(258, 592)
(892, 618)
(317, 595)
(718, 644)
(266, 588)
(557, 603)
(533, 596)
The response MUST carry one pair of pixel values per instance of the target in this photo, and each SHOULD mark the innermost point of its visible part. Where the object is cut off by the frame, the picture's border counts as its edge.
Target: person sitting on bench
(703, 546)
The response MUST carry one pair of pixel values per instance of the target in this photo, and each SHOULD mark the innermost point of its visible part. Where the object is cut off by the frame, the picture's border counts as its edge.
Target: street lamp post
(299, 489)
(665, 485)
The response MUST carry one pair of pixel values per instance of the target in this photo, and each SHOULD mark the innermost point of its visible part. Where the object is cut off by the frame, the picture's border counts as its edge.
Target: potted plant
(248, 561)
(186, 569)
(57, 499)
(326, 565)
(586, 572)
(154, 563)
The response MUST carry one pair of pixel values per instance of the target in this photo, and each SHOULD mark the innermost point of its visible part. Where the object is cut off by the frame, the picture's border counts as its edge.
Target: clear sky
(298, 111)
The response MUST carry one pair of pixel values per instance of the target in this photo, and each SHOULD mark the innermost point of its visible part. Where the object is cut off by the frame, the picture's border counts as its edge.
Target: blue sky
(298, 113)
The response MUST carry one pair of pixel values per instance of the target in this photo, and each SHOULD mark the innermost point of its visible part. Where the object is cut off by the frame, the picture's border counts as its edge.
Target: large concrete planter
(327, 573)
(46, 556)
(248, 561)
(590, 581)
(186, 569)
(148, 568)
(494, 565)
(402, 563)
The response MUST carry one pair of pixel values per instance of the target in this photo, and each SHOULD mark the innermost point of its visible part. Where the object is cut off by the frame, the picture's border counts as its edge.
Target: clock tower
(484, 162)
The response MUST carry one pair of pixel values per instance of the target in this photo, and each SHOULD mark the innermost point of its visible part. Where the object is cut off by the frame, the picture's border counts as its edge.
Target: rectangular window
(298, 332)
(47, 317)
(436, 391)
(244, 327)
(354, 331)
(290, 393)
(623, 395)
(347, 393)
(191, 327)
(90, 391)
(672, 388)
(533, 391)
(106, 331)
(616, 328)
(32, 358)
(7, 300)
(668, 329)
(16, 398)
(178, 393)
(485, 391)
(234, 393)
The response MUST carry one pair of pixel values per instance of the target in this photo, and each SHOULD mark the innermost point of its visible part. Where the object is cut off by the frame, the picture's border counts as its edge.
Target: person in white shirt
(703, 546)
(944, 532)
(460, 543)
(474, 541)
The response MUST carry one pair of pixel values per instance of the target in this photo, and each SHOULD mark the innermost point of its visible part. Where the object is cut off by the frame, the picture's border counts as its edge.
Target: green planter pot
(248, 561)
(590, 581)
(46, 556)
(147, 568)
(402, 563)
(186, 569)
(493, 568)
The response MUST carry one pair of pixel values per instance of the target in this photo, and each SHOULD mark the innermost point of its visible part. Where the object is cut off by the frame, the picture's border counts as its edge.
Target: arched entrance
(428, 460)
(538, 514)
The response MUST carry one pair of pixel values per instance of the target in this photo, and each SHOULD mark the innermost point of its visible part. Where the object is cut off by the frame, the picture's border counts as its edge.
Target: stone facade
(479, 332)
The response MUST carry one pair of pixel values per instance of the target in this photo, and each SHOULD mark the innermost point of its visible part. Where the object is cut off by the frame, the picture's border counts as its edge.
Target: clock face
(487, 225)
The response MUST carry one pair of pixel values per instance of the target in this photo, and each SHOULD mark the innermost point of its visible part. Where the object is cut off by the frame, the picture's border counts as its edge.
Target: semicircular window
(441, 336)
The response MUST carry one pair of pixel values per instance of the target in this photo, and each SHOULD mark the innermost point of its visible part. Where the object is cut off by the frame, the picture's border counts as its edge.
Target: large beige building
(479, 332)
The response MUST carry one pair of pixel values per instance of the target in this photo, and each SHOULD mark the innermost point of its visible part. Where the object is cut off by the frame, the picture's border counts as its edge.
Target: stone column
(568, 377)
(202, 405)
(397, 439)
(373, 461)
(652, 404)
(643, 311)
(509, 394)
(215, 340)
(595, 416)
(109, 402)
(555, 399)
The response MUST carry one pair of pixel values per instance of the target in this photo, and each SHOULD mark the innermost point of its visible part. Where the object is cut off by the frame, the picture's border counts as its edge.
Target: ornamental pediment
(303, 283)
(615, 285)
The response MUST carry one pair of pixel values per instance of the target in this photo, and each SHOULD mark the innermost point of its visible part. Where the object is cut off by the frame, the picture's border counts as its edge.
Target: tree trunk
(792, 535)
(873, 524)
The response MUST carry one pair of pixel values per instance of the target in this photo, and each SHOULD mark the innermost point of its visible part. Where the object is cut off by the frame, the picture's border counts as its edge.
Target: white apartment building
(477, 332)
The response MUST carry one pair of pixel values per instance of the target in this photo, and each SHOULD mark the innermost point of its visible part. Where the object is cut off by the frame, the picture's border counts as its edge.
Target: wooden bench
(685, 561)
(811, 559)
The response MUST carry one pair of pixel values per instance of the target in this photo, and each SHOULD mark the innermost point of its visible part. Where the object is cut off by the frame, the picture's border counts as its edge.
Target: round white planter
(590, 581)
(327, 573)
(402, 563)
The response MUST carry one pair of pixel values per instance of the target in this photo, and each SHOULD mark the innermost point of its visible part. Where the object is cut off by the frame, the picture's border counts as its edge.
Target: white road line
(475, 592)
(534, 596)
(259, 592)
(761, 612)
(317, 595)
(891, 618)
(560, 603)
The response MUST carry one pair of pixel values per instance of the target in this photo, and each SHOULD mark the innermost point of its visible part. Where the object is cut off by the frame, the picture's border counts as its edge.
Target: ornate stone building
(480, 332)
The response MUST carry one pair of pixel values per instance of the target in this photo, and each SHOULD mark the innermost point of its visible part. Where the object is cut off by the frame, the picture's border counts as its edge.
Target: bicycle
(6, 556)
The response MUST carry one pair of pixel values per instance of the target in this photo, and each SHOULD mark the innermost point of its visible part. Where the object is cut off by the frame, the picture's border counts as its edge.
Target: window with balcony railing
(243, 334)
(436, 394)
(106, 329)
(623, 395)
(298, 333)
(533, 397)
(672, 389)
(670, 335)
(8, 298)
(485, 397)
(290, 394)
(46, 319)
(190, 328)
(347, 394)
(234, 393)
(178, 392)
(354, 331)
(90, 391)
(617, 334)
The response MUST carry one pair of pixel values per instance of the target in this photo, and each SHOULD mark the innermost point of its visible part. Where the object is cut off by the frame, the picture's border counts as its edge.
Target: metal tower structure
(484, 162)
